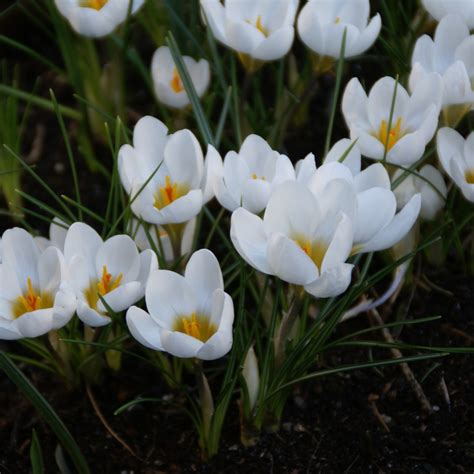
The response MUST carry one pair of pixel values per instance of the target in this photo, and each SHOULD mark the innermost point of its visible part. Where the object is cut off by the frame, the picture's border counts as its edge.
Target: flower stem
(287, 324)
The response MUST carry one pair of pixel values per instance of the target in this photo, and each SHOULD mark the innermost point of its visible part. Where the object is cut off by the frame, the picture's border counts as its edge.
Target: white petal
(144, 329)
(397, 229)
(332, 282)
(204, 275)
(289, 261)
(250, 240)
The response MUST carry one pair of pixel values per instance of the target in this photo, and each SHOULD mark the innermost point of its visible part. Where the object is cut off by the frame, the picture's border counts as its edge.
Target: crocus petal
(144, 329)
(250, 240)
(332, 282)
(90, 316)
(289, 262)
(397, 229)
(180, 344)
(122, 297)
(204, 275)
(168, 296)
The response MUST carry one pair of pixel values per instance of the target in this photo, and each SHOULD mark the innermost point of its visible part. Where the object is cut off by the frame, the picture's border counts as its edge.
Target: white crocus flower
(414, 119)
(371, 205)
(35, 296)
(188, 316)
(321, 26)
(457, 157)
(259, 30)
(451, 54)
(301, 240)
(440, 8)
(429, 183)
(169, 88)
(112, 271)
(160, 239)
(178, 183)
(96, 18)
(249, 176)
(57, 235)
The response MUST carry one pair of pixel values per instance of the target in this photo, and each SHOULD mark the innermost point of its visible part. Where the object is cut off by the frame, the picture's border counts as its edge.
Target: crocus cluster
(263, 30)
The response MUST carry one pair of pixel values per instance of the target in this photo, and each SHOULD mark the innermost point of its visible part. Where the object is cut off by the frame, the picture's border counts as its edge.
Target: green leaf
(36, 454)
(46, 411)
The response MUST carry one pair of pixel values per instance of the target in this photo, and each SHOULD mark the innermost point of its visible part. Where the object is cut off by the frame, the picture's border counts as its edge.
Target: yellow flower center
(196, 326)
(95, 4)
(259, 26)
(169, 193)
(105, 285)
(389, 138)
(469, 176)
(176, 83)
(31, 301)
(254, 176)
(315, 250)
(337, 20)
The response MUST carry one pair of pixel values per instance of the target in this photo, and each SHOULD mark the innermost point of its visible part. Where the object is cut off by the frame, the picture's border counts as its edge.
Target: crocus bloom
(169, 88)
(440, 8)
(249, 176)
(300, 239)
(165, 175)
(160, 239)
(371, 205)
(251, 376)
(457, 157)
(429, 183)
(96, 18)
(321, 26)
(414, 119)
(188, 316)
(259, 30)
(35, 296)
(112, 271)
(451, 54)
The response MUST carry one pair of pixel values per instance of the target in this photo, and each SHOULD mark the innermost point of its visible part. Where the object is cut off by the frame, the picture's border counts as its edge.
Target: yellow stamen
(315, 250)
(105, 285)
(195, 326)
(259, 26)
(176, 83)
(95, 4)
(469, 174)
(169, 193)
(337, 20)
(254, 176)
(387, 138)
(31, 301)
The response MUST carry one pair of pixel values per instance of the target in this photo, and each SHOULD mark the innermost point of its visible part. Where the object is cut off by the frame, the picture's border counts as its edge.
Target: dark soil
(332, 425)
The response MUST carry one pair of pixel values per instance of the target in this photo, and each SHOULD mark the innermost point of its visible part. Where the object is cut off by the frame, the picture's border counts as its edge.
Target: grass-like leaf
(46, 411)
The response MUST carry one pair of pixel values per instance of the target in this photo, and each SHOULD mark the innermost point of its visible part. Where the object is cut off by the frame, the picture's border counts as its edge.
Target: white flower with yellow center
(181, 183)
(371, 205)
(96, 18)
(414, 119)
(112, 272)
(249, 176)
(440, 8)
(451, 54)
(188, 316)
(35, 296)
(302, 240)
(259, 30)
(457, 157)
(321, 26)
(169, 88)
(429, 183)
